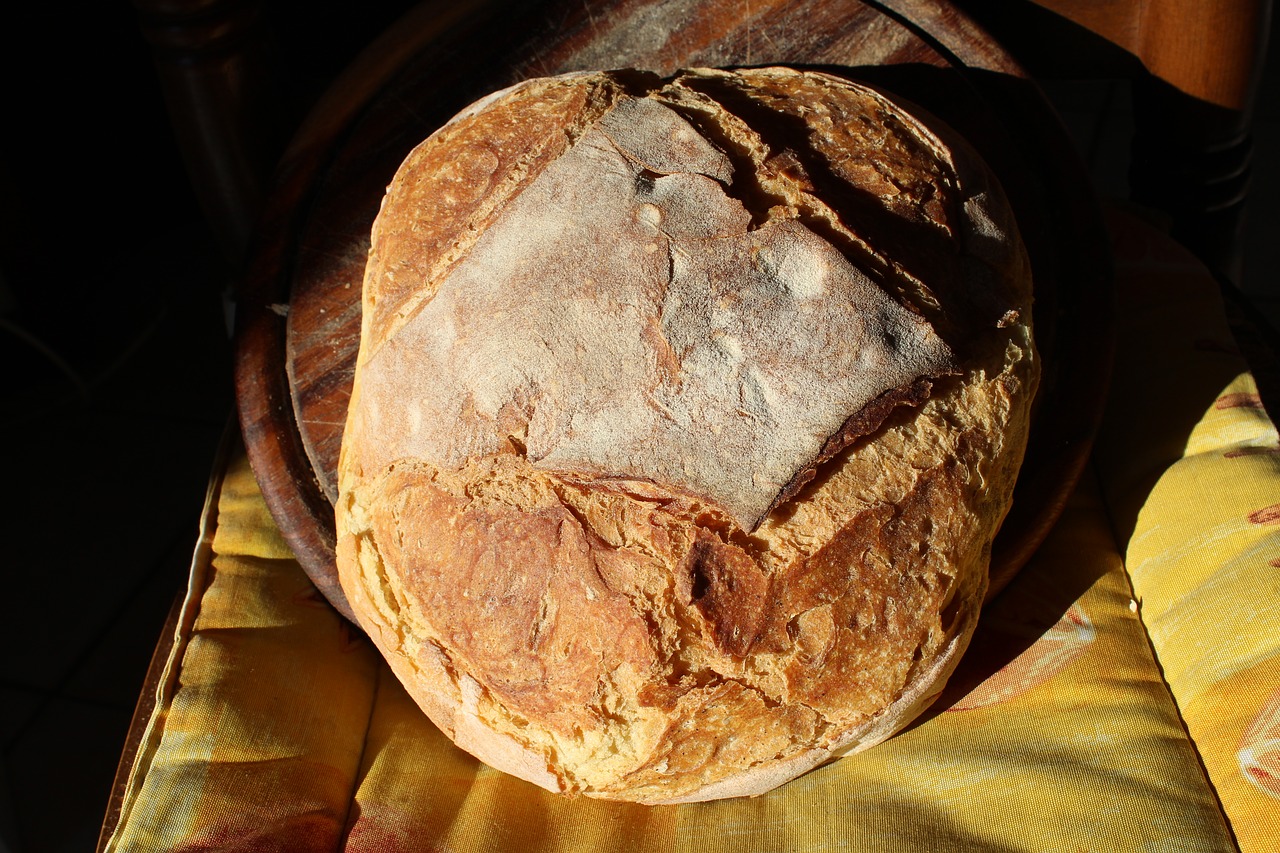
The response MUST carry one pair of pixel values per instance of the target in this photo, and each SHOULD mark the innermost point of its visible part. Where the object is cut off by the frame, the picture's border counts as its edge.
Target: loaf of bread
(685, 413)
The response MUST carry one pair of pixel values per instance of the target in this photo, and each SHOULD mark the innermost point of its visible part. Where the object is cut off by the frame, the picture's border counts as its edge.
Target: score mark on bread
(675, 455)
(624, 317)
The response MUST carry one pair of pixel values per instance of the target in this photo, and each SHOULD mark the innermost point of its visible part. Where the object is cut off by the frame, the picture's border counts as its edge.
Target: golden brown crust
(634, 633)
(457, 184)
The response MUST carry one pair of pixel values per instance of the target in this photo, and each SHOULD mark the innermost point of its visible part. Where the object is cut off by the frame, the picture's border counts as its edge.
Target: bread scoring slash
(684, 416)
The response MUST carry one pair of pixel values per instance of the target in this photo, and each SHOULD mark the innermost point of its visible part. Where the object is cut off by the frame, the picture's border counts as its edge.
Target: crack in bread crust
(628, 631)
(626, 306)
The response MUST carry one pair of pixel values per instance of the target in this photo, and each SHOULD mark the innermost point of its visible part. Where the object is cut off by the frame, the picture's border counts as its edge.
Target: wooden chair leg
(215, 66)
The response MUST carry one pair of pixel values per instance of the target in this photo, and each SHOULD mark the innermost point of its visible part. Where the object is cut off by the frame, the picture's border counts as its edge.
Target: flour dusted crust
(685, 413)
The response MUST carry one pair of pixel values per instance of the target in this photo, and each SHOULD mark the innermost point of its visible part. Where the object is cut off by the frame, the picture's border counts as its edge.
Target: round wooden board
(295, 364)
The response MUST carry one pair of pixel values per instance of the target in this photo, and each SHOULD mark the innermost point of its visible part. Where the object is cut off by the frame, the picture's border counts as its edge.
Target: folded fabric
(1108, 702)
(1195, 490)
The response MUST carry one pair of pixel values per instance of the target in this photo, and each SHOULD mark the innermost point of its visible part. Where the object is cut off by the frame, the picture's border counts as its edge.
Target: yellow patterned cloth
(1122, 694)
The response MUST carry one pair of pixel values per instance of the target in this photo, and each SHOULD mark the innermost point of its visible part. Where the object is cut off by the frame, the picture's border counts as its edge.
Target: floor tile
(180, 362)
(107, 499)
(18, 710)
(61, 769)
(114, 669)
(8, 815)
(17, 707)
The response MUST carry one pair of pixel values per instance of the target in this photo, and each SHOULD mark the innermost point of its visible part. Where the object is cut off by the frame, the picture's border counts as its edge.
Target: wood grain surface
(299, 315)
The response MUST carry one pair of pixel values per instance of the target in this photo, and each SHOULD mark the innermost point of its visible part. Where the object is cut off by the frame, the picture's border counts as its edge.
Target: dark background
(117, 368)
(116, 385)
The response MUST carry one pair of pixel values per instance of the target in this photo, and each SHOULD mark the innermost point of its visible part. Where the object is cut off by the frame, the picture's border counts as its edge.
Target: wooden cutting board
(299, 313)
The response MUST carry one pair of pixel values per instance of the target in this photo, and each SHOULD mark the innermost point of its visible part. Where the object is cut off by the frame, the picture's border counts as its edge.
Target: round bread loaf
(685, 413)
